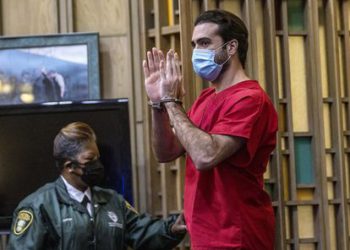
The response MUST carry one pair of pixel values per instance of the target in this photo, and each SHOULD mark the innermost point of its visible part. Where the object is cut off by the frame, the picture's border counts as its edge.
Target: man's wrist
(164, 101)
(167, 99)
(156, 105)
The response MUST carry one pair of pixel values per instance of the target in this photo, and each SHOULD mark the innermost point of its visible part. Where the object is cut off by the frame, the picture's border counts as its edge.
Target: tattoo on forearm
(194, 140)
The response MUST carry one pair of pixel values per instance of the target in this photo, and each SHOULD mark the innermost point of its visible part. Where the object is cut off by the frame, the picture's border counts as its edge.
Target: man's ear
(232, 46)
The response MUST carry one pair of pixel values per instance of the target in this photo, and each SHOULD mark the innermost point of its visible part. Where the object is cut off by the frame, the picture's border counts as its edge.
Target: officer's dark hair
(230, 27)
(70, 141)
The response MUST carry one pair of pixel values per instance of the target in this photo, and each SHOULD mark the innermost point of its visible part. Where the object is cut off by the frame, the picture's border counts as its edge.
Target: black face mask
(93, 172)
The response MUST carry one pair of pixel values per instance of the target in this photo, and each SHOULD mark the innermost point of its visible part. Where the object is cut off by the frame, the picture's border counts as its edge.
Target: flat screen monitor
(26, 146)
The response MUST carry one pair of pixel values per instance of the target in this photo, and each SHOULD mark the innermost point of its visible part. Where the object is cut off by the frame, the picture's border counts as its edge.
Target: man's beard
(220, 58)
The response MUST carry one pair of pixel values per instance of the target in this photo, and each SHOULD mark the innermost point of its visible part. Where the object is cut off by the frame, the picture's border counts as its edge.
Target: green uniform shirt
(51, 219)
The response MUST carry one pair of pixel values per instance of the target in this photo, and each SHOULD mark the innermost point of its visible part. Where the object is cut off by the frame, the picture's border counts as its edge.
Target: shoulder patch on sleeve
(23, 221)
(128, 206)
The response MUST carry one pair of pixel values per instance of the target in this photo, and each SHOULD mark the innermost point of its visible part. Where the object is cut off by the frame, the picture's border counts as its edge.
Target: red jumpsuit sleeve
(238, 118)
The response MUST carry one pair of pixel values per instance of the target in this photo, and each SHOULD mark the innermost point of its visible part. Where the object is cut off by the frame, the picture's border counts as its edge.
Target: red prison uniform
(226, 207)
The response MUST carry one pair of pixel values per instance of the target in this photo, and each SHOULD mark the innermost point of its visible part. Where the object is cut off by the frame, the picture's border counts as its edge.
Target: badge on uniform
(23, 221)
(114, 220)
(128, 206)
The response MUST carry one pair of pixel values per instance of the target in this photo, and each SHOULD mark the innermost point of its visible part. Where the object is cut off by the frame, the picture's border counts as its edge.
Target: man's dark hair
(230, 27)
(70, 141)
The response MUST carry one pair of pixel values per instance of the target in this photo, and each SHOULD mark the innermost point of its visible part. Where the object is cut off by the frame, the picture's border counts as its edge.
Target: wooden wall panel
(115, 71)
(233, 5)
(109, 17)
(29, 17)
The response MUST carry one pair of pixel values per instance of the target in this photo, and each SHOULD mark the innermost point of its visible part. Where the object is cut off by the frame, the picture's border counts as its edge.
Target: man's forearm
(166, 146)
(197, 143)
(206, 150)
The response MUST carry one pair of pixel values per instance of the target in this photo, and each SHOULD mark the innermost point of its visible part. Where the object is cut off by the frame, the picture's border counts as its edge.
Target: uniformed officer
(73, 213)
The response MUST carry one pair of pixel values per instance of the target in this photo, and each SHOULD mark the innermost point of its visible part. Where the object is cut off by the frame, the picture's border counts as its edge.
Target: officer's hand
(179, 226)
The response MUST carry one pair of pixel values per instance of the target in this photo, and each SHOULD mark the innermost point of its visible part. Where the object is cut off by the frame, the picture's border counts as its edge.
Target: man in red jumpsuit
(228, 135)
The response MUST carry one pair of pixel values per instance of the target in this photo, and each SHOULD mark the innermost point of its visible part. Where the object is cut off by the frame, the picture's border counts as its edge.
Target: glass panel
(339, 19)
(330, 190)
(268, 188)
(171, 188)
(323, 49)
(157, 188)
(348, 11)
(285, 175)
(259, 21)
(296, 20)
(284, 143)
(267, 174)
(176, 11)
(343, 86)
(348, 207)
(303, 160)
(298, 83)
(347, 185)
(344, 114)
(305, 194)
(288, 224)
(332, 227)
(306, 222)
(279, 67)
(278, 14)
(327, 125)
(329, 165)
(267, 177)
(282, 119)
(307, 246)
(172, 9)
(171, 12)
(348, 217)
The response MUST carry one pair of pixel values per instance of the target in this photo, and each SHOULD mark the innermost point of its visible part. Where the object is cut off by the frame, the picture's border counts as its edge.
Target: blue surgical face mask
(203, 61)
